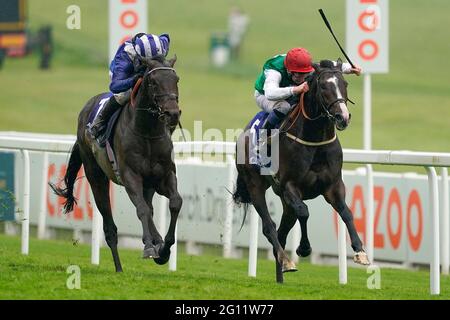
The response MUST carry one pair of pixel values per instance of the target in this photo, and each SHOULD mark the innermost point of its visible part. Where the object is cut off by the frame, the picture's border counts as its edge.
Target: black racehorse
(310, 164)
(143, 149)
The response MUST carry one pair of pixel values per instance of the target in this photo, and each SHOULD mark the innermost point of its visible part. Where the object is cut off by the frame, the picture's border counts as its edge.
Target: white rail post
(162, 212)
(342, 249)
(445, 222)
(41, 232)
(253, 245)
(228, 223)
(434, 213)
(26, 203)
(367, 112)
(173, 253)
(97, 222)
(295, 242)
(370, 214)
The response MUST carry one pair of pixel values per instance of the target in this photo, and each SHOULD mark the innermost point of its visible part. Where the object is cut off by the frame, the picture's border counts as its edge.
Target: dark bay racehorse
(310, 164)
(143, 148)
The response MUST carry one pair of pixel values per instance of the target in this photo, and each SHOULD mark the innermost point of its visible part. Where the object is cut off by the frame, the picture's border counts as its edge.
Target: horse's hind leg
(336, 197)
(100, 188)
(169, 190)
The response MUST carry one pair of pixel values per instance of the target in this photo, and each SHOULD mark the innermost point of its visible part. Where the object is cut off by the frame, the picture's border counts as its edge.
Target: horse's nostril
(339, 117)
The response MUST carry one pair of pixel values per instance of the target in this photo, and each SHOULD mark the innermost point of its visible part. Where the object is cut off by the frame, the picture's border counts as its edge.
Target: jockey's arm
(123, 77)
(347, 68)
(272, 89)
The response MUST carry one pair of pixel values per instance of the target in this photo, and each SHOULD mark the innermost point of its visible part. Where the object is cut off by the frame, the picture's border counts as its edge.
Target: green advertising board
(6, 186)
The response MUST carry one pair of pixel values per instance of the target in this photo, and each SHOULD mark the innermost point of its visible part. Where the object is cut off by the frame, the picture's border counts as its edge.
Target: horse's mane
(159, 58)
(323, 64)
(327, 64)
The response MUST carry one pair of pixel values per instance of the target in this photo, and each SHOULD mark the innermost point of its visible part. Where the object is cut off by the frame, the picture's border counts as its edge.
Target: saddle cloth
(255, 157)
(109, 130)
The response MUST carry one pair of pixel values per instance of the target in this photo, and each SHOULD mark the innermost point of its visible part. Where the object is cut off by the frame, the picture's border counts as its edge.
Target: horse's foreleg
(293, 199)
(257, 194)
(288, 220)
(156, 238)
(134, 186)
(169, 190)
(336, 197)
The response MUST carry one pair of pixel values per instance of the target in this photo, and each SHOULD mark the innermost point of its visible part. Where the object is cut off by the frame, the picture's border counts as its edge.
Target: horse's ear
(339, 63)
(173, 60)
(316, 67)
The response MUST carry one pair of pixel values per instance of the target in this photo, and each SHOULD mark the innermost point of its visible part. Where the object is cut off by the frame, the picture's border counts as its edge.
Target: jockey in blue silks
(125, 69)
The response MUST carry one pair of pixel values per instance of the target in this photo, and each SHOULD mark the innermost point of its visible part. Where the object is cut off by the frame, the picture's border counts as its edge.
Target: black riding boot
(98, 127)
(275, 117)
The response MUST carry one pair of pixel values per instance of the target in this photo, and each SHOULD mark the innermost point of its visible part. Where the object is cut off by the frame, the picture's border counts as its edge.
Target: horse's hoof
(361, 258)
(303, 252)
(150, 253)
(288, 266)
(161, 260)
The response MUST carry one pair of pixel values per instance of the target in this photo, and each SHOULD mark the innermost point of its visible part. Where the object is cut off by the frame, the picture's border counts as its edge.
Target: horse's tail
(69, 179)
(242, 196)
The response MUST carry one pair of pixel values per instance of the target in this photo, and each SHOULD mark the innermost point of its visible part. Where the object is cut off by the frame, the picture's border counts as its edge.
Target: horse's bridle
(325, 107)
(155, 108)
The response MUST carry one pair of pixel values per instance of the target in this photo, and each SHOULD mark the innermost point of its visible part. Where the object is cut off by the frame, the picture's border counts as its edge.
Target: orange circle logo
(129, 19)
(368, 49)
(368, 21)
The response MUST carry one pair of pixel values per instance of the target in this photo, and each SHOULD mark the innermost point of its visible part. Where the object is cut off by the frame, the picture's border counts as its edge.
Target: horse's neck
(319, 129)
(141, 120)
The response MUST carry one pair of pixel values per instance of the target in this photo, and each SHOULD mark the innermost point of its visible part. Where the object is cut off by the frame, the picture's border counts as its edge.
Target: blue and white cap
(150, 45)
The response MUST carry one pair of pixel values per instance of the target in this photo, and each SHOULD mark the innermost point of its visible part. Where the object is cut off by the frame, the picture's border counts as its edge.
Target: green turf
(42, 275)
(411, 104)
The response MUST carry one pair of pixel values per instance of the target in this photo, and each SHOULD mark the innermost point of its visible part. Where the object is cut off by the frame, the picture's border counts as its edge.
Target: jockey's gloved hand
(141, 70)
(136, 78)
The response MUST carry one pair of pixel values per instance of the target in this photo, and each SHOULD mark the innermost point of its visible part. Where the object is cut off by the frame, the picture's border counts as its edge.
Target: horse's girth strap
(309, 143)
(135, 91)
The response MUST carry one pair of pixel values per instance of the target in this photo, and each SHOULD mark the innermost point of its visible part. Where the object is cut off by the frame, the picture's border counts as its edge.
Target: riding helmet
(149, 45)
(298, 60)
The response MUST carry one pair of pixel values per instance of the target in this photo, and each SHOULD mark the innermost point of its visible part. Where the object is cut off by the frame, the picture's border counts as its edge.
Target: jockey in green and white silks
(281, 82)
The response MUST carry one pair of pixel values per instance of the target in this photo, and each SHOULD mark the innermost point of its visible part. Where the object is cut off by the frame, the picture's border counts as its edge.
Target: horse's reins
(300, 109)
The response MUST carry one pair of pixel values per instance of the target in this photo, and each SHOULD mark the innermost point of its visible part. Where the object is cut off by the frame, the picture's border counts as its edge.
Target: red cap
(298, 60)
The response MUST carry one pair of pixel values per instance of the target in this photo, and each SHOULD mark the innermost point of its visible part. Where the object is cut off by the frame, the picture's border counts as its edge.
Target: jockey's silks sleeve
(122, 73)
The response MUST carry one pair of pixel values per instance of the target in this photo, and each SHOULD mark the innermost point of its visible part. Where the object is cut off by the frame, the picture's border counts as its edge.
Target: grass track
(42, 275)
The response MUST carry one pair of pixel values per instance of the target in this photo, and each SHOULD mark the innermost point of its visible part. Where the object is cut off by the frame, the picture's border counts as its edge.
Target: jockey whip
(332, 33)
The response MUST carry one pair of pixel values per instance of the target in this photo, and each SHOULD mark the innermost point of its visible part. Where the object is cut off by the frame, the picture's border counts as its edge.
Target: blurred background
(410, 104)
